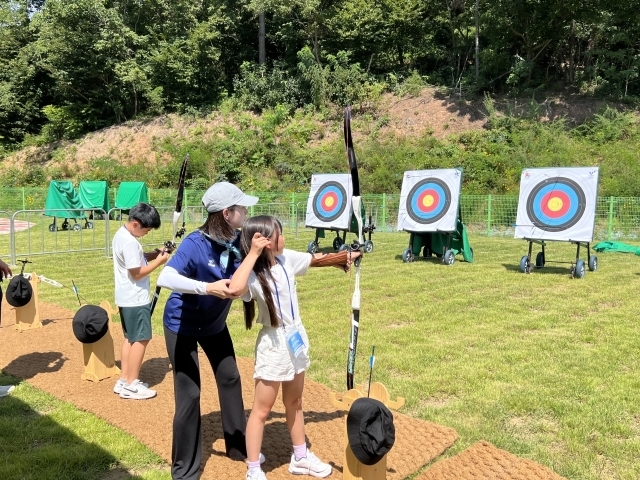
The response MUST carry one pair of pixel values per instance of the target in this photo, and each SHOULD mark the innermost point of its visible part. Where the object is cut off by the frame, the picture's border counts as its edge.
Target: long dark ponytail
(269, 227)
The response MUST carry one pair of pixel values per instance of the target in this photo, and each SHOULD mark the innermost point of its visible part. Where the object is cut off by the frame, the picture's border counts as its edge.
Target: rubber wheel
(449, 257)
(579, 271)
(312, 247)
(407, 256)
(77, 227)
(52, 227)
(426, 252)
(90, 225)
(540, 260)
(368, 246)
(524, 264)
(336, 243)
(65, 225)
(593, 263)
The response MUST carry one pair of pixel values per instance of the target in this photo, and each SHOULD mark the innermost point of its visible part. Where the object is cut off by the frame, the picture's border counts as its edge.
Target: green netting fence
(492, 215)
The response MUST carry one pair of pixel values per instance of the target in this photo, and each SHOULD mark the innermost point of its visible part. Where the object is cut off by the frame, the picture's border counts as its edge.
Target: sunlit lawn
(541, 365)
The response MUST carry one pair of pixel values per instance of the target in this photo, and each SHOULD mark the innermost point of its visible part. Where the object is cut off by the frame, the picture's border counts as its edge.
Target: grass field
(541, 365)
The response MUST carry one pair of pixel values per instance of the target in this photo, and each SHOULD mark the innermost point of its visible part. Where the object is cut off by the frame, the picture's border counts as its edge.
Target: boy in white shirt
(132, 292)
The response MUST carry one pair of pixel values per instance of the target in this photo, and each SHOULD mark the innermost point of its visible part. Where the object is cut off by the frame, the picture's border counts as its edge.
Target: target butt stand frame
(340, 242)
(99, 357)
(578, 268)
(443, 244)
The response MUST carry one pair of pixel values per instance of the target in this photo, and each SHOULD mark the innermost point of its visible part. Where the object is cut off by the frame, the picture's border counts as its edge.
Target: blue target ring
(428, 201)
(330, 201)
(556, 204)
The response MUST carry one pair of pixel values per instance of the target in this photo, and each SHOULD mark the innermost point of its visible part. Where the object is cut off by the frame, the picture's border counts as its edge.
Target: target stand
(558, 204)
(329, 208)
(429, 210)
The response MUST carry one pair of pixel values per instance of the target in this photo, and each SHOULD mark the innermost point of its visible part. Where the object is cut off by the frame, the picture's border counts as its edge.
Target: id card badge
(295, 341)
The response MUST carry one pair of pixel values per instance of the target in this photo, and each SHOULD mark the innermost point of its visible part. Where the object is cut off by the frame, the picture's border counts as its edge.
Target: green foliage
(258, 88)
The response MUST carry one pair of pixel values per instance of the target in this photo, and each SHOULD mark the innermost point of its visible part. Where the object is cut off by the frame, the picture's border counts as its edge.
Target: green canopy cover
(131, 193)
(62, 199)
(94, 194)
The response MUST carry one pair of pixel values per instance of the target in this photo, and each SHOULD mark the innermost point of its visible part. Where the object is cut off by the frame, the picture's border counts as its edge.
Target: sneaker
(262, 459)
(117, 388)
(137, 391)
(309, 465)
(7, 389)
(255, 474)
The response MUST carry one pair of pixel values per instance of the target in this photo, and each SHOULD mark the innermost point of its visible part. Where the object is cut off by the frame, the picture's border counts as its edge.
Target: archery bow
(356, 203)
(177, 232)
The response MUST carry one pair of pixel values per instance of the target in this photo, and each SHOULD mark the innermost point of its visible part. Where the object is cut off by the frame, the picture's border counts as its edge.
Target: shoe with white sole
(7, 389)
(309, 465)
(137, 391)
(255, 474)
(117, 388)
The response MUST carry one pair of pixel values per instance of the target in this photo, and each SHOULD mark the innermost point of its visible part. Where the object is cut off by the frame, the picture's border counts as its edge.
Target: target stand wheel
(65, 225)
(312, 247)
(407, 255)
(579, 271)
(449, 257)
(525, 264)
(426, 252)
(368, 246)
(337, 242)
(89, 226)
(77, 227)
(540, 260)
(593, 263)
(52, 227)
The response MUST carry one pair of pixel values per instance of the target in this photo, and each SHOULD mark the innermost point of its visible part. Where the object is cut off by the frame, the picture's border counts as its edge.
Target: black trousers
(186, 453)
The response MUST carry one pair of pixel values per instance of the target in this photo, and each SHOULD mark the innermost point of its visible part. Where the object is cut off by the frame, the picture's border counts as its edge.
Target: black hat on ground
(370, 430)
(90, 323)
(19, 291)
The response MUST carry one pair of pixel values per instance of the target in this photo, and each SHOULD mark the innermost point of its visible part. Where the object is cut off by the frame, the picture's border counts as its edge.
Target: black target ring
(330, 201)
(567, 196)
(428, 201)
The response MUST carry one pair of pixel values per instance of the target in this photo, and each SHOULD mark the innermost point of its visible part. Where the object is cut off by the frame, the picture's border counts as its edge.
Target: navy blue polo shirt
(189, 314)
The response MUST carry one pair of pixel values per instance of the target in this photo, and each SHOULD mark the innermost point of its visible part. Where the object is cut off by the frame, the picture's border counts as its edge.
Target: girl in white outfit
(267, 277)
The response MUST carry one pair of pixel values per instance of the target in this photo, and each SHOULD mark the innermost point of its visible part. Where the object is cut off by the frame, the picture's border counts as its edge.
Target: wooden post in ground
(99, 357)
(352, 468)
(28, 317)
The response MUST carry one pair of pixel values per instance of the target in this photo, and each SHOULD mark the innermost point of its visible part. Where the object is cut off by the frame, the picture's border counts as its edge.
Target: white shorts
(274, 361)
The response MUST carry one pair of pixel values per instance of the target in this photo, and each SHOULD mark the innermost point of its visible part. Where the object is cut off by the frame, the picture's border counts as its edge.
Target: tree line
(72, 66)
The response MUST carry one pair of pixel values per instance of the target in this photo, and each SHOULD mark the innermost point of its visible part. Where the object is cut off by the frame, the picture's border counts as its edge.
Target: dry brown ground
(432, 111)
(50, 358)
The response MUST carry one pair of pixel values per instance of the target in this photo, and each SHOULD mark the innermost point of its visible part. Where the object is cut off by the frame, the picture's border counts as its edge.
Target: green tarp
(61, 197)
(436, 242)
(616, 247)
(94, 194)
(131, 193)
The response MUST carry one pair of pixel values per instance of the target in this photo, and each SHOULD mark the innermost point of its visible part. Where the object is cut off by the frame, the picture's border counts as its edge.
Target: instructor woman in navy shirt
(196, 314)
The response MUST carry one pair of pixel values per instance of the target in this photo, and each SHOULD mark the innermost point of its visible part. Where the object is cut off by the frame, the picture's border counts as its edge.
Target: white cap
(223, 195)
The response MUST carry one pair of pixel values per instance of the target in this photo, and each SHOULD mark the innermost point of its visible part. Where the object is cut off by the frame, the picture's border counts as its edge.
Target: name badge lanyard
(293, 315)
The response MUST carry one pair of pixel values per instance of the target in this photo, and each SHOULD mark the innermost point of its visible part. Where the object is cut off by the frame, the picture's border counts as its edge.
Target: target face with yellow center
(429, 200)
(329, 204)
(557, 204)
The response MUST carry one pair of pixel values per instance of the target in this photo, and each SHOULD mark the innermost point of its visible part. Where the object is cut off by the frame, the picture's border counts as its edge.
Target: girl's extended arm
(341, 259)
(240, 278)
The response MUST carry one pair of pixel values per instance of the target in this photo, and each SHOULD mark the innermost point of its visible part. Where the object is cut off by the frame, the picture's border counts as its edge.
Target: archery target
(429, 200)
(329, 204)
(557, 204)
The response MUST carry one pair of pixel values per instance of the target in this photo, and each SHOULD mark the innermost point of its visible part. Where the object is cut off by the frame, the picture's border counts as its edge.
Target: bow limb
(177, 215)
(356, 203)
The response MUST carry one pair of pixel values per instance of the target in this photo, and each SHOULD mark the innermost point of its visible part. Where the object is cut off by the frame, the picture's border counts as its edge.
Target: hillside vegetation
(279, 151)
